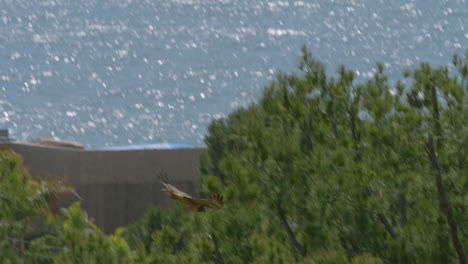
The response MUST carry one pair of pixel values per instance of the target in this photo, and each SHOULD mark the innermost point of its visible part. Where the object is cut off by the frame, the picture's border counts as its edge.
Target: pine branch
(218, 256)
(288, 229)
(387, 225)
(402, 205)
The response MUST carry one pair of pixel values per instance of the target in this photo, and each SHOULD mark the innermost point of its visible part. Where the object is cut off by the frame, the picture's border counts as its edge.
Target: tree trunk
(444, 202)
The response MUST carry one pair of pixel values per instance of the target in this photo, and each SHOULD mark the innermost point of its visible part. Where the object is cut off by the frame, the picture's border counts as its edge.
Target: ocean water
(123, 72)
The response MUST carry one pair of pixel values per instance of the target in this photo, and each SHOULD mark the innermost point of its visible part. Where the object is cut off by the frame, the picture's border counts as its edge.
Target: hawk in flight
(193, 204)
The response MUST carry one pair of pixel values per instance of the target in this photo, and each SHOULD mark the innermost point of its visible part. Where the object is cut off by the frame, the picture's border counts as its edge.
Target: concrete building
(117, 185)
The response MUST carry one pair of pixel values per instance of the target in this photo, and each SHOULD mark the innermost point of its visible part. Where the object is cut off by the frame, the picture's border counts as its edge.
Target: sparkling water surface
(116, 72)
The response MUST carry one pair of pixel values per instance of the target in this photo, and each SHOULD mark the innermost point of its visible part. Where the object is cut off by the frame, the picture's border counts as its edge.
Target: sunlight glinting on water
(130, 72)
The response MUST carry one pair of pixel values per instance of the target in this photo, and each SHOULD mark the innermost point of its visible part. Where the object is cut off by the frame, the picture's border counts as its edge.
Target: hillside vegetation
(320, 170)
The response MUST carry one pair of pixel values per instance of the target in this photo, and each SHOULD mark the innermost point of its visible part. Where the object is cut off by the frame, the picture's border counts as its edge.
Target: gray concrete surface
(117, 186)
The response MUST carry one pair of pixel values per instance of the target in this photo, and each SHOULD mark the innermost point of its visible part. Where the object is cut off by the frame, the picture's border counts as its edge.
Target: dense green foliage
(320, 170)
(31, 233)
(326, 164)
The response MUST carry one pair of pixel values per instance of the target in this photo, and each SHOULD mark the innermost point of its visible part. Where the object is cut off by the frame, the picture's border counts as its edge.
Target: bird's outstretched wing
(215, 201)
(170, 188)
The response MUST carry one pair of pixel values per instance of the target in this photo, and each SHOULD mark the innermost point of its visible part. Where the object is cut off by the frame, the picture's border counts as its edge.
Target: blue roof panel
(150, 146)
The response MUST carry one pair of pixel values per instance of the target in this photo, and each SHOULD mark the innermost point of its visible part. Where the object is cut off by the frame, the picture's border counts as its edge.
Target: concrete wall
(116, 186)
